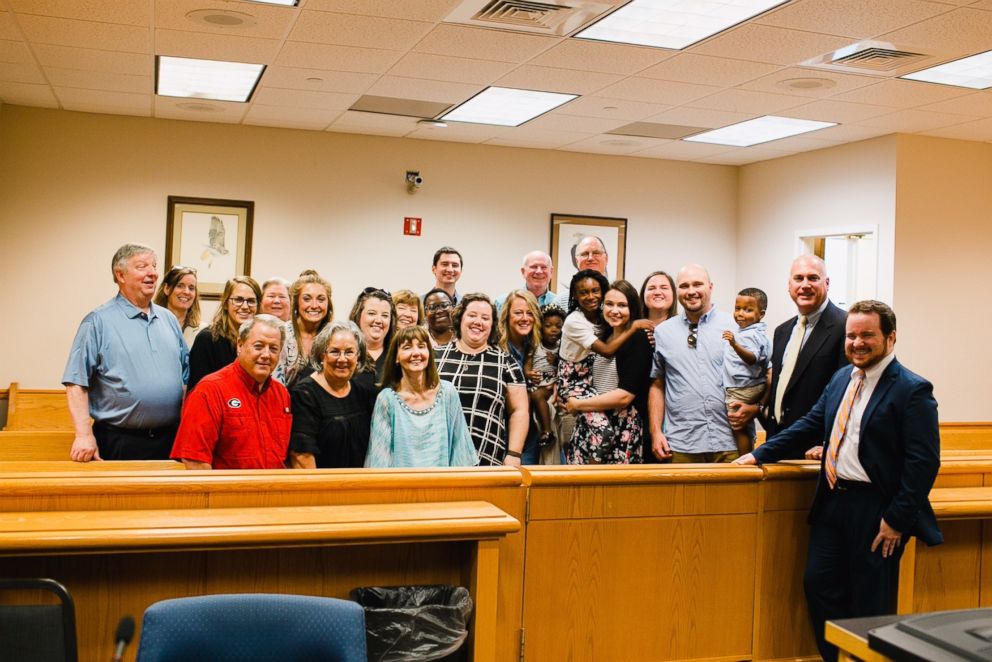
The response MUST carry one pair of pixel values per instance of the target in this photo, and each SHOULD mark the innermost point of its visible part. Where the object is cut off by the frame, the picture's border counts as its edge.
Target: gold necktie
(789, 364)
(840, 425)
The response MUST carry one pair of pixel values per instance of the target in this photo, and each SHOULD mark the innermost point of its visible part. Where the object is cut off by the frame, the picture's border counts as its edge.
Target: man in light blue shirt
(686, 407)
(127, 369)
(537, 271)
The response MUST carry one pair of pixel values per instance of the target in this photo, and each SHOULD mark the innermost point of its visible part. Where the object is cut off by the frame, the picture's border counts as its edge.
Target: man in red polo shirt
(239, 417)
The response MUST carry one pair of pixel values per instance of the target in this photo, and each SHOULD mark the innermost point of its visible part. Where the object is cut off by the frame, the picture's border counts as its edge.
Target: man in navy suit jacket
(877, 424)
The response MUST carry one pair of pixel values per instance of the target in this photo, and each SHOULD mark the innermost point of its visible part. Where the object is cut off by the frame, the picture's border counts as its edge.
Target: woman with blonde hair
(178, 293)
(216, 345)
(311, 310)
(409, 309)
(520, 336)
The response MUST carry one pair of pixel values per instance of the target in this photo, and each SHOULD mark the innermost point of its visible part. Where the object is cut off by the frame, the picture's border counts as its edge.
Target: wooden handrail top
(791, 470)
(961, 502)
(227, 528)
(632, 474)
(277, 480)
(62, 466)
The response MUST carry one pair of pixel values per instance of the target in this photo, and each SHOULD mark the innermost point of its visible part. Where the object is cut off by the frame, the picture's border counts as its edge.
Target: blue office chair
(252, 627)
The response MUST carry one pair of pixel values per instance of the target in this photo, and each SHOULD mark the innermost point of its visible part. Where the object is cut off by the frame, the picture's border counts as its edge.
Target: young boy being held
(543, 369)
(745, 359)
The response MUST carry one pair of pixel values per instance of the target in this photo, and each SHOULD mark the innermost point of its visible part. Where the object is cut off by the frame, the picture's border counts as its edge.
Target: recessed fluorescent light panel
(760, 130)
(673, 23)
(974, 72)
(505, 106)
(207, 79)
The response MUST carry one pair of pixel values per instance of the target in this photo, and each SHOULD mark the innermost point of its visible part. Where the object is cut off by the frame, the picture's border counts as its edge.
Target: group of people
(603, 373)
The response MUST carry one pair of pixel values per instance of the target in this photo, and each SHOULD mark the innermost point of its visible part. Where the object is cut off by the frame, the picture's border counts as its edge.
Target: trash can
(415, 622)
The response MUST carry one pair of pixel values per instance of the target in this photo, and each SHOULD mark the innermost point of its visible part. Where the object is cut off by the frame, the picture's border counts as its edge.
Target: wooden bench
(37, 409)
(35, 445)
(47, 466)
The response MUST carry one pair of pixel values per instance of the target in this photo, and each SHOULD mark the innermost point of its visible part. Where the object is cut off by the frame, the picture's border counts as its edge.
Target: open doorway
(852, 262)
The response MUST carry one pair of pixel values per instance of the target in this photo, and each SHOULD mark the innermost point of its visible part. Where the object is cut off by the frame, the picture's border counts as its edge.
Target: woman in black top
(216, 345)
(332, 411)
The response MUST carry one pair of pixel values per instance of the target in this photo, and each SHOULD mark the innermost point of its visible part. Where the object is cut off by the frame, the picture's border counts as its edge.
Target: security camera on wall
(413, 180)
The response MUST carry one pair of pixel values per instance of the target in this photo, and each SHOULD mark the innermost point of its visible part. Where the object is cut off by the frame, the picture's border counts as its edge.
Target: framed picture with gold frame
(566, 232)
(211, 236)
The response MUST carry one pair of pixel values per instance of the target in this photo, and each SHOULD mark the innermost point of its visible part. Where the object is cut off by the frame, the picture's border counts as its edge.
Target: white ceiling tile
(744, 156)
(614, 144)
(126, 12)
(462, 133)
(86, 34)
(902, 93)
(15, 52)
(851, 132)
(86, 100)
(911, 121)
(361, 31)
(650, 90)
(317, 80)
(746, 101)
(763, 43)
(99, 81)
(595, 106)
(463, 41)
(692, 68)
(28, 94)
(374, 123)
(979, 130)
(271, 96)
(451, 69)
(680, 150)
(982, 4)
(851, 18)
(224, 112)
(834, 83)
(960, 31)
(295, 118)
(555, 121)
(232, 48)
(830, 110)
(423, 90)
(419, 10)
(88, 59)
(566, 81)
(603, 57)
(8, 29)
(270, 21)
(978, 104)
(111, 109)
(342, 58)
(543, 139)
(21, 73)
(702, 117)
(804, 143)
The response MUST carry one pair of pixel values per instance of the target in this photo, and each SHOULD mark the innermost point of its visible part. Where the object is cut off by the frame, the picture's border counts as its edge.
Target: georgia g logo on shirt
(234, 403)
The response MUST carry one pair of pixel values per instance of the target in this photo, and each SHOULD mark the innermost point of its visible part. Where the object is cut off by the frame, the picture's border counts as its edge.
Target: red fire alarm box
(412, 225)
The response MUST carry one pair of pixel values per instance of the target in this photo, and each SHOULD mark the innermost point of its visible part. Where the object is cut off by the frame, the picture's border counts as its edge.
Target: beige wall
(75, 186)
(823, 191)
(943, 205)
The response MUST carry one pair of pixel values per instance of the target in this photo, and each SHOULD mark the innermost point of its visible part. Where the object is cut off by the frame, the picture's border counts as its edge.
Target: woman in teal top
(418, 419)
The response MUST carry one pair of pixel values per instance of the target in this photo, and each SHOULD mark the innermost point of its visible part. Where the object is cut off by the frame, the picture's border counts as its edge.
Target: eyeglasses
(241, 301)
(376, 290)
(691, 339)
(585, 255)
(337, 353)
(437, 307)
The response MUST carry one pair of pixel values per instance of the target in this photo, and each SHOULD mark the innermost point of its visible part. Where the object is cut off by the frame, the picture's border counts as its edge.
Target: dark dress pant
(116, 443)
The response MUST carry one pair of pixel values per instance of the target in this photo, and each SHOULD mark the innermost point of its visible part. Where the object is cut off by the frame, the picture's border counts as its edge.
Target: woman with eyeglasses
(310, 311)
(216, 345)
(620, 384)
(178, 293)
(418, 420)
(375, 316)
(489, 383)
(437, 309)
(332, 411)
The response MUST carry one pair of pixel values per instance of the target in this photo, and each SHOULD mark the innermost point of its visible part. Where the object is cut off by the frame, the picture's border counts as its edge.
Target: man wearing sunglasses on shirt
(687, 414)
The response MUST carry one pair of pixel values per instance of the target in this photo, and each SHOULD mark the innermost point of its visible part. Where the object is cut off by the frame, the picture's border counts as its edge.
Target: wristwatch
(513, 453)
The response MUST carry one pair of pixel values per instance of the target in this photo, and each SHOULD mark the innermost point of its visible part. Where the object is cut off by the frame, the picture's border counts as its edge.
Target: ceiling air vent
(552, 17)
(871, 57)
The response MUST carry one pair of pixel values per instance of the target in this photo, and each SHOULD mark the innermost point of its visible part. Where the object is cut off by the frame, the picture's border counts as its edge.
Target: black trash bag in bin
(414, 622)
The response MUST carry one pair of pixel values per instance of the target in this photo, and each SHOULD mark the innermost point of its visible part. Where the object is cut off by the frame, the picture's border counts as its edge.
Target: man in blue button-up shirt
(686, 407)
(127, 369)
